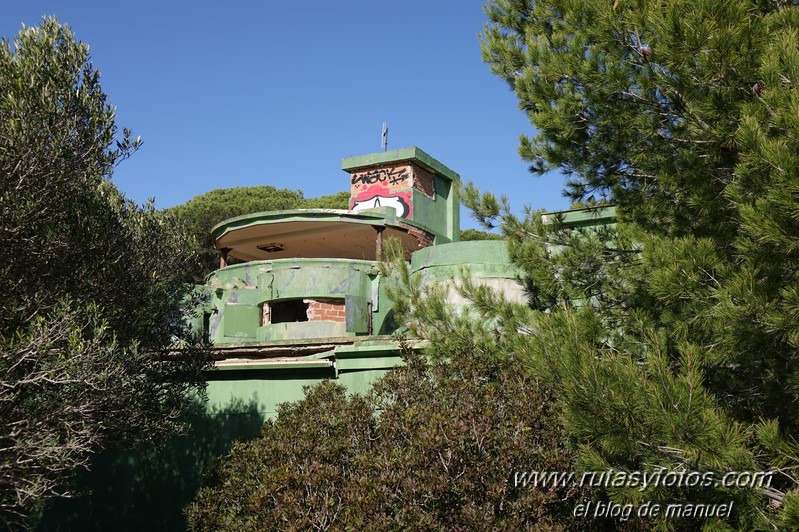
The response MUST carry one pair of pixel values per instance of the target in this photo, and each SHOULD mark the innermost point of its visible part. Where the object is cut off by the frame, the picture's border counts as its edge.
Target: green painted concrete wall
(261, 390)
(483, 258)
(439, 215)
(237, 294)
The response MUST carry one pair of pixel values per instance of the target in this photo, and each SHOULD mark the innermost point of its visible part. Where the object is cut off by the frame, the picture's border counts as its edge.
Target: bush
(434, 445)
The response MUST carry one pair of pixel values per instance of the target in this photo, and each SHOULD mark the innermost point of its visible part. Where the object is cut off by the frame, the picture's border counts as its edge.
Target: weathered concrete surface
(318, 233)
(420, 188)
(486, 262)
(238, 294)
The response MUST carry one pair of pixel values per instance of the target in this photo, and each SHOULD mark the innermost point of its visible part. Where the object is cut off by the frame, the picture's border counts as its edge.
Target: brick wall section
(425, 239)
(326, 310)
(423, 181)
(415, 176)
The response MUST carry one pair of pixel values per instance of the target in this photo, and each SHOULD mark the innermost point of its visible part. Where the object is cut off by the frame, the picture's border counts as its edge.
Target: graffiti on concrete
(380, 196)
(393, 176)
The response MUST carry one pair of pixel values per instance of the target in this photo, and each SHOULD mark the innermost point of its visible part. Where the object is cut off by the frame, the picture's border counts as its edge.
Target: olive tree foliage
(201, 213)
(92, 283)
(672, 336)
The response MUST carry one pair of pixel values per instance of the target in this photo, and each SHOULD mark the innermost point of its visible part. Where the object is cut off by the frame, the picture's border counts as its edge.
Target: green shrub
(434, 445)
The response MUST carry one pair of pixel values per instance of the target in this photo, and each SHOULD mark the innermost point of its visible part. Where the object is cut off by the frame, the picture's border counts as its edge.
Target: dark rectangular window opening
(288, 311)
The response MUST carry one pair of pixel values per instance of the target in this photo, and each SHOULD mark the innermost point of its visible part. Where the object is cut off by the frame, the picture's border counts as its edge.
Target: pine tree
(670, 336)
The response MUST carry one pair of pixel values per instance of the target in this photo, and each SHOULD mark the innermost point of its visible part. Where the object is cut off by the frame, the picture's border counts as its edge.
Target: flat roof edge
(381, 216)
(411, 153)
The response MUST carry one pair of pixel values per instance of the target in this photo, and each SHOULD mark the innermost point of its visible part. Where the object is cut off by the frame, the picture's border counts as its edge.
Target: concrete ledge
(412, 153)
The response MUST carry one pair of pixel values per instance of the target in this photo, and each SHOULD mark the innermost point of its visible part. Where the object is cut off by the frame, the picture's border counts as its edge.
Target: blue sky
(235, 93)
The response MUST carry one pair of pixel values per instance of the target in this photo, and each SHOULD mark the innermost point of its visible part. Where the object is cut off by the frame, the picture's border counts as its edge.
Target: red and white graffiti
(380, 196)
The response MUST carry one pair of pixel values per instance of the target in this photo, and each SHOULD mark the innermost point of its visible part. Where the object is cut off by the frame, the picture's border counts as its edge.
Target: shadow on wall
(147, 490)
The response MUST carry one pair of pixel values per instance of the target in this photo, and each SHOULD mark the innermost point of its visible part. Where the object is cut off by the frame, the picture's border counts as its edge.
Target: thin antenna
(384, 138)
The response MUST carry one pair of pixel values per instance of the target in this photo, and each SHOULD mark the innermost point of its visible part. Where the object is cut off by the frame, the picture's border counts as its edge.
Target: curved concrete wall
(241, 295)
(486, 261)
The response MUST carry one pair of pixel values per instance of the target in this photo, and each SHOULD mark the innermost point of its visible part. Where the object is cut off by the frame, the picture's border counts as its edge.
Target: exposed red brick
(423, 181)
(424, 238)
(397, 176)
(326, 310)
